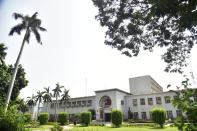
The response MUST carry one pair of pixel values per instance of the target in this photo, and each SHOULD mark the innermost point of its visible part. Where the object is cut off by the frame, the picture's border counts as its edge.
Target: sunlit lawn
(123, 129)
(41, 127)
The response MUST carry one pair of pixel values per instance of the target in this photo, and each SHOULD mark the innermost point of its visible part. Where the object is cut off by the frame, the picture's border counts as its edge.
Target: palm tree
(56, 94)
(47, 97)
(65, 97)
(29, 24)
(31, 102)
(39, 98)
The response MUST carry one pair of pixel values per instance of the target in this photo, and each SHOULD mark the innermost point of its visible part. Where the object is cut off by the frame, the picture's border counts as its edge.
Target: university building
(145, 94)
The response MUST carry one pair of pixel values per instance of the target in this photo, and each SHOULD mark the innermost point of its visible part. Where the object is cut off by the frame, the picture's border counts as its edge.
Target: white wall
(147, 108)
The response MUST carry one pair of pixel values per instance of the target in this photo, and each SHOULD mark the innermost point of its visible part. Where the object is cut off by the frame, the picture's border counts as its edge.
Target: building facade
(145, 94)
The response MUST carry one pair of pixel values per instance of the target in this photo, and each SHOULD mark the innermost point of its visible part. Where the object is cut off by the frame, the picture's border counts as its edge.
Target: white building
(145, 94)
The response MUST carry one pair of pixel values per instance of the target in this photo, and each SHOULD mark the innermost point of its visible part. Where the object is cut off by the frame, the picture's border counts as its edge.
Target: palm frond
(34, 15)
(42, 29)
(17, 29)
(37, 35)
(17, 15)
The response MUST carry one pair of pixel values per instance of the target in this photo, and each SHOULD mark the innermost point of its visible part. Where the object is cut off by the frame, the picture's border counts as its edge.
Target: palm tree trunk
(14, 72)
(38, 110)
(47, 108)
(56, 110)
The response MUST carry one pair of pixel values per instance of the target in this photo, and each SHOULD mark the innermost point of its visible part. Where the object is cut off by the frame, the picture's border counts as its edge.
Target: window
(142, 101)
(134, 102)
(158, 100)
(83, 103)
(169, 115)
(78, 103)
(122, 102)
(178, 113)
(150, 101)
(135, 116)
(68, 104)
(89, 103)
(175, 97)
(73, 103)
(143, 115)
(52, 105)
(167, 99)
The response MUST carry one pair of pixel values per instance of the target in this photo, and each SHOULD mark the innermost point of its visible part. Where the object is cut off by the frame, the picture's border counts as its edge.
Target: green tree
(158, 115)
(47, 97)
(86, 118)
(65, 97)
(29, 24)
(117, 117)
(31, 102)
(186, 101)
(22, 105)
(134, 25)
(39, 98)
(56, 94)
(5, 75)
(2, 52)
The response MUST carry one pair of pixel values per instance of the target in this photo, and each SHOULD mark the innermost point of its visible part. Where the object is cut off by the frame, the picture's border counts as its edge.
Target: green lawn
(123, 129)
(42, 127)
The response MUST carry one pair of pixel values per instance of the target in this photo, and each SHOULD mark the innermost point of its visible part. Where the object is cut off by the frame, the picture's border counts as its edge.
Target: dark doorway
(107, 117)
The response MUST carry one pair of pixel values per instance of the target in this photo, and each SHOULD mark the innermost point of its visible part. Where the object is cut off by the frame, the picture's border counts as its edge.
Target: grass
(123, 129)
(41, 127)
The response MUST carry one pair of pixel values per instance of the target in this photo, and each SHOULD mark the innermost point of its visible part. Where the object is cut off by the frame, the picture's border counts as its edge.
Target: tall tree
(31, 102)
(5, 75)
(22, 105)
(3, 52)
(56, 94)
(65, 97)
(39, 98)
(29, 24)
(133, 25)
(47, 97)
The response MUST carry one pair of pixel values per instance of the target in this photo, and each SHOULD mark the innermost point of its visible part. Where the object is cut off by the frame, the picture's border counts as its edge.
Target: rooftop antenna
(193, 79)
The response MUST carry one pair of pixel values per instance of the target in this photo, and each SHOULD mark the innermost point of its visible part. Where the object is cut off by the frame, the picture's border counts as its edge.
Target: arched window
(105, 102)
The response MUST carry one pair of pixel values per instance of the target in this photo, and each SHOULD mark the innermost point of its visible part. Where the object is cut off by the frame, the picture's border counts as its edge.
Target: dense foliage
(5, 75)
(43, 118)
(186, 101)
(27, 117)
(117, 117)
(158, 115)
(86, 118)
(57, 127)
(133, 25)
(63, 118)
(11, 121)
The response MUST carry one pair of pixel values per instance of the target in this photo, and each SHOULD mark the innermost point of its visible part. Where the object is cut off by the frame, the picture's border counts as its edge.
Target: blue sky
(73, 50)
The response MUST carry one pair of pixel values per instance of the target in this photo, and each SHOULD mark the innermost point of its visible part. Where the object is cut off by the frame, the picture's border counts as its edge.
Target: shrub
(86, 118)
(27, 117)
(11, 121)
(57, 127)
(63, 118)
(117, 117)
(43, 118)
(159, 116)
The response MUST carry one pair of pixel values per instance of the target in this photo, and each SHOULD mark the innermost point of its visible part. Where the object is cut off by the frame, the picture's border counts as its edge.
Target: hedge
(117, 117)
(86, 118)
(63, 118)
(43, 118)
(159, 116)
(27, 117)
